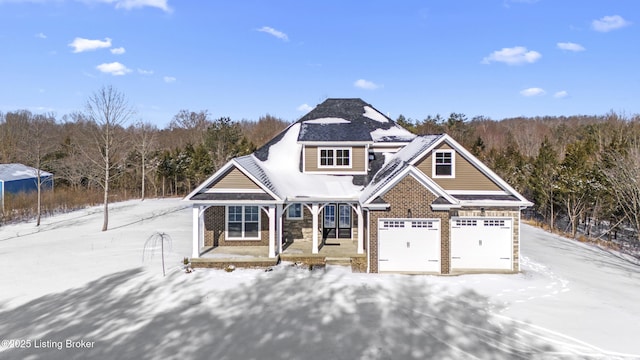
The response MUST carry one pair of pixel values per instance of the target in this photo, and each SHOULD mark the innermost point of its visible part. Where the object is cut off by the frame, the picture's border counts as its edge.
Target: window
(334, 158)
(494, 223)
(243, 222)
(294, 212)
(466, 222)
(443, 163)
(393, 224)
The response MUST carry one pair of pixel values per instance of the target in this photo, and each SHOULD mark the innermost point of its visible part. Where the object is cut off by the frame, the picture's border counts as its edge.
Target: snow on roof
(395, 163)
(11, 172)
(395, 133)
(373, 114)
(329, 120)
(282, 167)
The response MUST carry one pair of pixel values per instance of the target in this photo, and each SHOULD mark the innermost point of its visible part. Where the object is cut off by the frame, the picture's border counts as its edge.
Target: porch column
(279, 227)
(314, 242)
(272, 231)
(195, 251)
(360, 230)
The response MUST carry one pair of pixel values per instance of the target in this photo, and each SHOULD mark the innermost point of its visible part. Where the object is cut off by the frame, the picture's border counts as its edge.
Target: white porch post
(195, 251)
(272, 231)
(360, 230)
(314, 242)
(279, 224)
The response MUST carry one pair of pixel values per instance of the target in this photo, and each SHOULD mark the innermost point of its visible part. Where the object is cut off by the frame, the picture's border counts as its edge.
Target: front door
(337, 221)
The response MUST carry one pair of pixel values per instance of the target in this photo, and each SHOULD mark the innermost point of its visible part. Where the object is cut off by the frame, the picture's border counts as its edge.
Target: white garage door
(409, 245)
(481, 243)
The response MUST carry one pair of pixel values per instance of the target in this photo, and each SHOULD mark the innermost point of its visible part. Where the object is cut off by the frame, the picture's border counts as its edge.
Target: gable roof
(13, 172)
(276, 166)
(405, 159)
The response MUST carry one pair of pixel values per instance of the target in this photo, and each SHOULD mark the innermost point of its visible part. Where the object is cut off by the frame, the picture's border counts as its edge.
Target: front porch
(331, 252)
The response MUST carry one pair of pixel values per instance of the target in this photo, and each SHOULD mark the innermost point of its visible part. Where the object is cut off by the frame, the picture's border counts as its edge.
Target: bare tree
(145, 138)
(623, 176)
(107, 110)
(36, 142)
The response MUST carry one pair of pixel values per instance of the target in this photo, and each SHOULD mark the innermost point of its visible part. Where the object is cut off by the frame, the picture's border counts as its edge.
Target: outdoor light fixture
(409, 213)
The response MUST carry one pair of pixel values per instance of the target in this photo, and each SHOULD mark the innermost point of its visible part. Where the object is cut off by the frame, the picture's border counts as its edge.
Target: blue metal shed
(16, 178)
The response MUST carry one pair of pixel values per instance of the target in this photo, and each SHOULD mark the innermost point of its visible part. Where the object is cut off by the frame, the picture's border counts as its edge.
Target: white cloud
(114, 68)
(145, 72)
(513, 56)
(119, 4)
(366, 84)
(118, 51)
(560, 94)
(80, 44)
(305, 108)
(608, 23)
(274, 32)
(569, 46)
(41, 36)
(169, 79)
(534, 91)
(136, 4)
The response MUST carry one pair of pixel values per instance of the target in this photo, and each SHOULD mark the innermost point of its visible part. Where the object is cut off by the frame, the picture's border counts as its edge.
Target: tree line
(582, 172)
(105, 151)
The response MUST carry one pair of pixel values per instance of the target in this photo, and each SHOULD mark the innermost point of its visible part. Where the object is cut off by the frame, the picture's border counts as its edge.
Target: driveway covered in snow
(70, 282)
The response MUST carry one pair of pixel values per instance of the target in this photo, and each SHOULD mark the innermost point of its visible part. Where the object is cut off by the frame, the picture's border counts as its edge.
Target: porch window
(243, 223)
(334, 157)
(294, 212)
(443, 163)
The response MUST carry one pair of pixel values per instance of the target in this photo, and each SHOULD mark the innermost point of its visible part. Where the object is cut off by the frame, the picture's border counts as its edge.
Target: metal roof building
(16, 178)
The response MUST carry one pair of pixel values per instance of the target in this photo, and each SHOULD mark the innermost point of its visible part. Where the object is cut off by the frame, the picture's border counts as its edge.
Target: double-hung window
(334, 157)
(243, 223)
(444, 163)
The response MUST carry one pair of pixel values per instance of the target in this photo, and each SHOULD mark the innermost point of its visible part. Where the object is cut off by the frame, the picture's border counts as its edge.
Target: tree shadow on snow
(288, 313)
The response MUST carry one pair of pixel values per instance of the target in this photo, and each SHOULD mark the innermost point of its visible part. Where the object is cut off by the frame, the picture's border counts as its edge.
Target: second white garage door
(481, 243)
(409, 245)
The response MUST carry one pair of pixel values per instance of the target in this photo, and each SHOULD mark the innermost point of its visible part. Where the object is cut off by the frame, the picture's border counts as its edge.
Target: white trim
(195, 235)
(227, 191)
(368, 252)
(475, 162)
(221, 172)
(453, 164)
(376, 206)
(338, 172)
(418, 175)
(234, 202)
(335, 143)
(477, 192)
(335, 150)
(301, 212)
(442, 207)
(493, 203)
(304, 159)
(243, 238)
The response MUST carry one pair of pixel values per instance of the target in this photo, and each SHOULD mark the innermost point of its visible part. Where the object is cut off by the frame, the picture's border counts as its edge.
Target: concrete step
(342, 261)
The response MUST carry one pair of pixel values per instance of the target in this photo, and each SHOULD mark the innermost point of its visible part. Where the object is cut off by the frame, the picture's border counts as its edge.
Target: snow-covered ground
(67, 282)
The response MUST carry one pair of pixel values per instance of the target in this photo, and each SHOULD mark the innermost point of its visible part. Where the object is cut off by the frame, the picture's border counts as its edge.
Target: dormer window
(334, 157)
(443, 164)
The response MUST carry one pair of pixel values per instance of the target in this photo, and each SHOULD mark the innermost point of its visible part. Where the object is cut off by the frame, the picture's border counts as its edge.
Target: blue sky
(244, 59)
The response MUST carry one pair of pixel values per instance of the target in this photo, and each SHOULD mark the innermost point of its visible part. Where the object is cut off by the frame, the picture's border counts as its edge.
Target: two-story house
(346, 172)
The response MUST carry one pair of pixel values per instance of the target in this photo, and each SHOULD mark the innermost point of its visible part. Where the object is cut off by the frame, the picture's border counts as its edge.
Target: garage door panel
(480, 243)
(409, 245)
